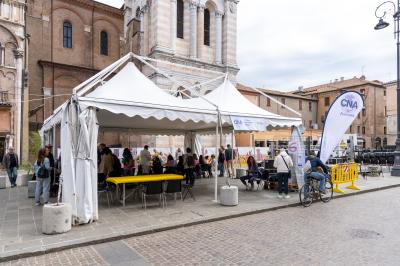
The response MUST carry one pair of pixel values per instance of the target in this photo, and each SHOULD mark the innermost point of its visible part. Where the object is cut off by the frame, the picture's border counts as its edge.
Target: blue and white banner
(341, 115)
(249, 123)
(297, 152)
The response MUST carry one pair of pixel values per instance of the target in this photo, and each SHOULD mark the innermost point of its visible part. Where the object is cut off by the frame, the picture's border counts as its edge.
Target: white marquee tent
(130, 100)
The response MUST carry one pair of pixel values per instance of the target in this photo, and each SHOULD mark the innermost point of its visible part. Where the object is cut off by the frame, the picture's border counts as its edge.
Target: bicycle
(314, 194)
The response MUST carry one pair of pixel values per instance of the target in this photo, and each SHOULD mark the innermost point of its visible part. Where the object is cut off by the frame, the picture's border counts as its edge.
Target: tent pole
(233, 161)
(216, 161)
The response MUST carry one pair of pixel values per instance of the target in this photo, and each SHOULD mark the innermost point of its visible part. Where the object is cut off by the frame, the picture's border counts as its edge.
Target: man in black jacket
(11, 163)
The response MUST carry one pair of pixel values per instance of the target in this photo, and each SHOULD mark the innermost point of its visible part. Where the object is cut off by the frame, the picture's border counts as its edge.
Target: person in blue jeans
(283, 164)
(43, 182)
(10, 162)
(315, 173)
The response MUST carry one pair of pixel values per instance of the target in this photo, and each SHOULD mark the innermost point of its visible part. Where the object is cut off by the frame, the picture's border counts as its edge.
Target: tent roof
(231, 102)
(130, 100)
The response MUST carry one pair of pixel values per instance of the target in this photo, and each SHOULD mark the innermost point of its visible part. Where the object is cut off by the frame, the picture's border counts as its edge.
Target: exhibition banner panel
(297, 151)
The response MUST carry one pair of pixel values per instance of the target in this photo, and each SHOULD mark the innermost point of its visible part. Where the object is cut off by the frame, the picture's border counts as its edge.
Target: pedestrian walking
(229, 157)
(221, 161)
(42, 170)
(283, 163)
(11, 163)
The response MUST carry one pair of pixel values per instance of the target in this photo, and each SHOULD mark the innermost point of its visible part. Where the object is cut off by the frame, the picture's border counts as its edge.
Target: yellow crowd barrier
(344, 173)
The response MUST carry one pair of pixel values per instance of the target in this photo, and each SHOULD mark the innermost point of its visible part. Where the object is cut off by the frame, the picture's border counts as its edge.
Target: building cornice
(45, 63)
(99, 7)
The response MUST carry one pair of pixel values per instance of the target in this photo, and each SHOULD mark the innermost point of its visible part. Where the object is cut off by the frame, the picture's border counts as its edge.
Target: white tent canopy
(130, 100)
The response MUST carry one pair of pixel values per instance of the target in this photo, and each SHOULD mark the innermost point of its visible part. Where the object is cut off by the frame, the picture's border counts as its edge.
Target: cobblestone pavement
(358, 230)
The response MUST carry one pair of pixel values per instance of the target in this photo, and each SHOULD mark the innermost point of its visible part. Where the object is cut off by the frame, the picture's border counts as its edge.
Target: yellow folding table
(123, 180)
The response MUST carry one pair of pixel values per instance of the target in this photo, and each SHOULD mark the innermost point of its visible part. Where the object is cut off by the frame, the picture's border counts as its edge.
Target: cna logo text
(349, 103)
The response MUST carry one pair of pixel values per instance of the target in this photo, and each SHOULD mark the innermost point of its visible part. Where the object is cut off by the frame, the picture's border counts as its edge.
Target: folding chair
(153, 188)
(173, 187)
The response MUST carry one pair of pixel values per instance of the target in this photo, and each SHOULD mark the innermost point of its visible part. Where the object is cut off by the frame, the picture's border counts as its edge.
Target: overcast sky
(283, 44)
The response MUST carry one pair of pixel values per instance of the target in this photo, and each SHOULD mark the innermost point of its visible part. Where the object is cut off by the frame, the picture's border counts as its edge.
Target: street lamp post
(381, 13)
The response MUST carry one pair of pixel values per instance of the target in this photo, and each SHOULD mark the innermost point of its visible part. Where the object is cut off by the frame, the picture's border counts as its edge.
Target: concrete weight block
(31, 188)
(24, 179)
(56, 218)
(3, 179)
(229, 196)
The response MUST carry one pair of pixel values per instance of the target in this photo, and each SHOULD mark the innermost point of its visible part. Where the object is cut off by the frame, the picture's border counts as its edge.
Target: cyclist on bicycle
(318, 171)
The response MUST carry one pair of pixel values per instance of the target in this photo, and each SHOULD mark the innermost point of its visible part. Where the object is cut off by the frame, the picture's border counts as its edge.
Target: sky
(284, 44)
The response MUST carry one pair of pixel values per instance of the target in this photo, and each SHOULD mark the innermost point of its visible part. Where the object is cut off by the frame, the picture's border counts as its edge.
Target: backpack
(43, 172)
(190, 160)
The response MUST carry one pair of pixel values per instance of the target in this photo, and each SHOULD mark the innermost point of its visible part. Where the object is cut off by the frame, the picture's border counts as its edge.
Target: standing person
(163, 158)
(42, 171)
(229, 156)
(11, 163)
(188, 165)
(128, 163)
(178, 153)
(100, 152)
(283, 163)
(49, 147)
(221, 161)
(145, 159)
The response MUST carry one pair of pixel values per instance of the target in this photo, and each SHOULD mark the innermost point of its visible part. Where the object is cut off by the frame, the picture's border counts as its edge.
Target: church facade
(197, 38)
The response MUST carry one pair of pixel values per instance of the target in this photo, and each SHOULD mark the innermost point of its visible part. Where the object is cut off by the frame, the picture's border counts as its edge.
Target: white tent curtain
(68, 145)
(86, 167)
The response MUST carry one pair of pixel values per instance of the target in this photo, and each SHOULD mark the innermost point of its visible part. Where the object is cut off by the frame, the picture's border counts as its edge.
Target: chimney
(362, 77)
(300, 88)
(341, 78)
(336, 80)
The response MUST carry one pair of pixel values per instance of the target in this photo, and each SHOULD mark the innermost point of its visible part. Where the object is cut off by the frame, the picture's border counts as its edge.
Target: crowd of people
(185, 163)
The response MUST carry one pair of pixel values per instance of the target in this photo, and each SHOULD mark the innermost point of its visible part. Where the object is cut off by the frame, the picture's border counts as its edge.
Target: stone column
(218, 37)
(141, 36)
(193, 29)
(18, 90)
(173, 26)
(200, 30)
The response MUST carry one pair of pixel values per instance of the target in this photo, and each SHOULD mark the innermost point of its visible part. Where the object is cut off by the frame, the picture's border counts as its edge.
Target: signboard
(248, 123)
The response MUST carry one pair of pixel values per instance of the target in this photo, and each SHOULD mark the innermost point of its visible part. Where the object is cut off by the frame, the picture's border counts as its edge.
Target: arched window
(207, 27)
(103, 43)
(67, 34)
(1, 54)
(137, 14)
(179, 19)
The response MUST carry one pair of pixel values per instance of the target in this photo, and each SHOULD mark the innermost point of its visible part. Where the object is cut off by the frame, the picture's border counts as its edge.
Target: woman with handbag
(42, 170)
(284, 164)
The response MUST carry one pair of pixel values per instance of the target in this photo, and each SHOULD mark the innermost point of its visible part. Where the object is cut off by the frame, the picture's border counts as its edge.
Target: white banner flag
(249, 123)
(297, 152)
(341, 115)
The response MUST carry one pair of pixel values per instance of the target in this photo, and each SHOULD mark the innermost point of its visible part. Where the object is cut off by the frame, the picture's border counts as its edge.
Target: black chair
(173, 187)
(104, 188)
(153, 188)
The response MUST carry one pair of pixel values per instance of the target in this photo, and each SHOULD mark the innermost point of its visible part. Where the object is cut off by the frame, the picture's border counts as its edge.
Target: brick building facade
(69, 41)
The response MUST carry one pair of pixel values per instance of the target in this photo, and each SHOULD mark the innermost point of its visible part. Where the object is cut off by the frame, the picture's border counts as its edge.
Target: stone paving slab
(20, 220)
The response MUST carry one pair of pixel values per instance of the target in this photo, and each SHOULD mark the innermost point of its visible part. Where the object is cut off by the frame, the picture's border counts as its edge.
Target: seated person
(171, 165)
(252, 172)
(179, 167)
(157, 166)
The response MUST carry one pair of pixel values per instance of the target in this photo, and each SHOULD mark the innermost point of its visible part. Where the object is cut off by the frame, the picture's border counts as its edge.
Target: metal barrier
(344, 173)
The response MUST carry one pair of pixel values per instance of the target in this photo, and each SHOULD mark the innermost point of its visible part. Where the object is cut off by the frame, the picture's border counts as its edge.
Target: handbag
(43, 172)
(289, 171)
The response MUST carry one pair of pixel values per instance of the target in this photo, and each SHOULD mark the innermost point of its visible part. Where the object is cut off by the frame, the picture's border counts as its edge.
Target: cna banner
(248, 123)
(340, 116)
(297, 151)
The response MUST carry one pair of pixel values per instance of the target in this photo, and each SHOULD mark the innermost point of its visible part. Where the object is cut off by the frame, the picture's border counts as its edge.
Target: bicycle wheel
(327, 196)
(305, 202)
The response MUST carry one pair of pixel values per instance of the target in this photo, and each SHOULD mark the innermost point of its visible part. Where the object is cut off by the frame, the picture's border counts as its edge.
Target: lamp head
(381, 24)
(397, 14)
